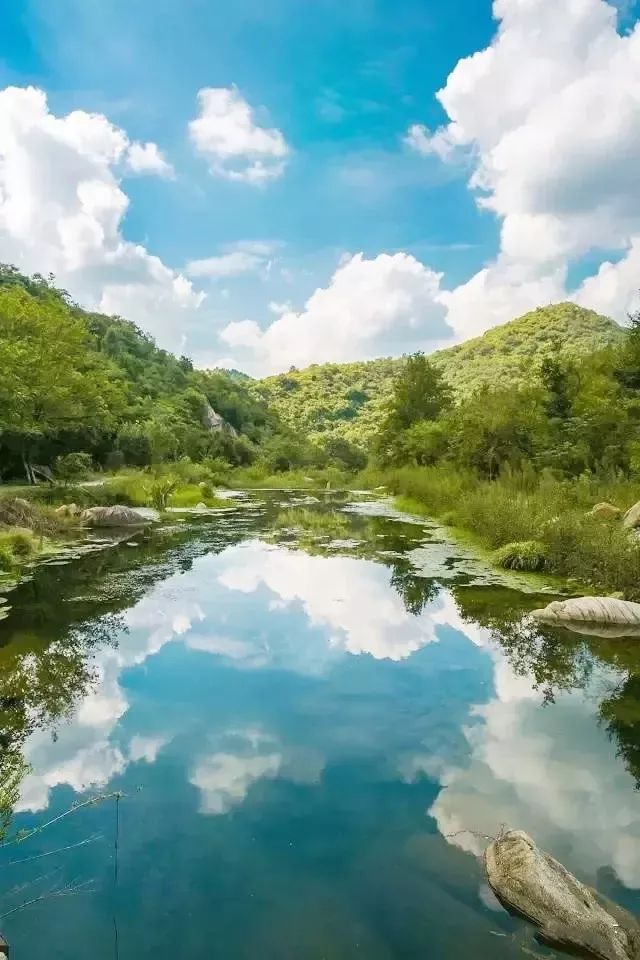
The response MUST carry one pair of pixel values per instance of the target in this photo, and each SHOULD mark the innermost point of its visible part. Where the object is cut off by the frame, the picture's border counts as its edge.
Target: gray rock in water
(579, 613)
(568, 914)
(117, 516)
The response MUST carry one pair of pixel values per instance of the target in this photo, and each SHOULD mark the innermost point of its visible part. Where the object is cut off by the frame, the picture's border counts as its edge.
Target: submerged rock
(620, 617)
(117, 516)
(568, 914)
(606, 511)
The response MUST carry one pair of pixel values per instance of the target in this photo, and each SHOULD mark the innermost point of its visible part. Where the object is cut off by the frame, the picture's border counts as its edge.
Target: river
(314, 708)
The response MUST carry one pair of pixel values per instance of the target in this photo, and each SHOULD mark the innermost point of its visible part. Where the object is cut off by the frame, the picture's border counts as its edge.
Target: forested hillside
(78, 381)
(347, 400)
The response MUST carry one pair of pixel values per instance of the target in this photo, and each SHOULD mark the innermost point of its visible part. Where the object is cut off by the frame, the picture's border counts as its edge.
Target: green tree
(420, 394)
(51, 379)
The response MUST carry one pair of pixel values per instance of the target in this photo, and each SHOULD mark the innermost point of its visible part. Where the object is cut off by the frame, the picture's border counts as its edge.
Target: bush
(72, 467)
(160, 489)
(21, 542)
(530, 555)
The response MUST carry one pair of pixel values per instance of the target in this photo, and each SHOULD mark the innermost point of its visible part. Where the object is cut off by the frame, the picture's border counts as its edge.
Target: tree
(555, 376)
(51, 379)
(420, 393)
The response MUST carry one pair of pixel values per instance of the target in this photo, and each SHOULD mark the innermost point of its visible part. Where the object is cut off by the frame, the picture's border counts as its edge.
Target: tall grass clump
(521, 509)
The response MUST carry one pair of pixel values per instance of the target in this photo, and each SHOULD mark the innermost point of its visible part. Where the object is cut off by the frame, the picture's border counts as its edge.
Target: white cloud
(279, 308)
(370, 307)
(148, 158)
(550, 115)
(224, 265)
(236, 146)
(420, 139)
(61, 211)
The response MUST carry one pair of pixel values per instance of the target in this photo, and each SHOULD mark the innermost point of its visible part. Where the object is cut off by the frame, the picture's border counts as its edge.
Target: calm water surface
(305, 703)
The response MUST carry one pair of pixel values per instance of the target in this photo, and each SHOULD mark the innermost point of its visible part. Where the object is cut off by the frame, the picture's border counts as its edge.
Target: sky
(266, 185)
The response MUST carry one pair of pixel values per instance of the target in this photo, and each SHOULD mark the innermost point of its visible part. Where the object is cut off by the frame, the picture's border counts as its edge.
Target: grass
(311, 478)
(524, 508)
(529, 555)
(17, 546)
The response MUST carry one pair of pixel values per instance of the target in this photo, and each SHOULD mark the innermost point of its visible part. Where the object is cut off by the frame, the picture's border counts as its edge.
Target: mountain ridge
(347, 399)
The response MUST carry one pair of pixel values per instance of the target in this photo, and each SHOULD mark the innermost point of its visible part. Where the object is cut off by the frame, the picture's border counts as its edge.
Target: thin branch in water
(73, 809)
(67, 891)
(50, 853)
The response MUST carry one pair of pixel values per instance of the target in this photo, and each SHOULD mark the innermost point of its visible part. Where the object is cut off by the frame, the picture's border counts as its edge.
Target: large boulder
(631, 518)
(568, 914)
(117, 516)
(606, 511)
(599, 616)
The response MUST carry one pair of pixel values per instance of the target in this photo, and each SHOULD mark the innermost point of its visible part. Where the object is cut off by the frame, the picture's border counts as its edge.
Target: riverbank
(529, 522)
(44, 522)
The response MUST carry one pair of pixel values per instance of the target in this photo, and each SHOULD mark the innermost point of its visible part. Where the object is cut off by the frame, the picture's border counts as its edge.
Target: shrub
(72, 467)
(21, 542)
(7, 559)
(160, 489)
(530, 555)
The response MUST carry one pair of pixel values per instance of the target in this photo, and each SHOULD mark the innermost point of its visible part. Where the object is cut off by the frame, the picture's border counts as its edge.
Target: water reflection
(305, 706)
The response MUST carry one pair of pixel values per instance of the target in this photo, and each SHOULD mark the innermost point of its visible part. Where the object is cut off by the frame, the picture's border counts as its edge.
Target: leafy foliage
(349, 400)
(77, 381)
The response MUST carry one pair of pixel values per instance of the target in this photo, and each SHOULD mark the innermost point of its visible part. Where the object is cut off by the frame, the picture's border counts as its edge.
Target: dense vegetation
(79, 382)
(522, 465)
(348, 400)
(514, 435)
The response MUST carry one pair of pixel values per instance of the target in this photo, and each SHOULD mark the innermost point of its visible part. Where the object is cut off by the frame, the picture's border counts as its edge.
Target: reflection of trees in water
(59, 619)
(40, 685)
(416, 591)
(318, 531)
(558, 660)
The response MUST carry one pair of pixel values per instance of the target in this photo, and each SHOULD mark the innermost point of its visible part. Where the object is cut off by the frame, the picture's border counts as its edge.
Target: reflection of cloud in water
(82, 756)
(350, 596)
(548, 770)
(238, 759)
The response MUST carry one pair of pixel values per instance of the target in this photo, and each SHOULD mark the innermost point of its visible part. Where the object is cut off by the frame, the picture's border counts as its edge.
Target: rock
(606, 511)
(69, 510)
(201, 506)
(568, 914)
(117, 516)
(631, 518)
(215, 423)
(598, 616)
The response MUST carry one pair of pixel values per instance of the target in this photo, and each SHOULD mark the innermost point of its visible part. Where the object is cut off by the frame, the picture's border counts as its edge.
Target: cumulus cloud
(62, 206)
(236, 146)
(549, 113)
(148, 158)
(383, 305)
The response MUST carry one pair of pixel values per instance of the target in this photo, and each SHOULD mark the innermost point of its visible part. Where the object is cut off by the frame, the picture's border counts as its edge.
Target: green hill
(107, 389)
(346, 399)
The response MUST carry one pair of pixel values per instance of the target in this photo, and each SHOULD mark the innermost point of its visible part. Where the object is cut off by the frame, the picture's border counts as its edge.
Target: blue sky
(341, 84)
